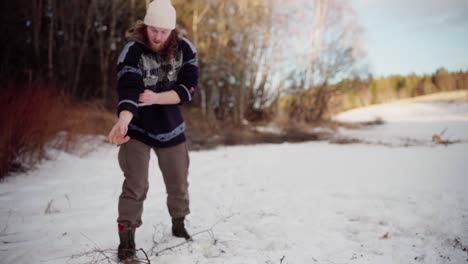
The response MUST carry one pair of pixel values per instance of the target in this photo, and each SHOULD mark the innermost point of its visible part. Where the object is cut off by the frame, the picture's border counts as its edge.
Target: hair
(138, 33)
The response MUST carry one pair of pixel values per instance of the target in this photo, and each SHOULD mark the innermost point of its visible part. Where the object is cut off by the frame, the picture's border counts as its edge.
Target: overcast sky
(404, 36)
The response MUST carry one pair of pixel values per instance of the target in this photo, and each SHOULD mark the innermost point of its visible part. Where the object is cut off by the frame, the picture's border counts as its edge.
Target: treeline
(250, 51)
(385, 89)
(259, 61)
(358, 92)
(73, 44)
(56, 56)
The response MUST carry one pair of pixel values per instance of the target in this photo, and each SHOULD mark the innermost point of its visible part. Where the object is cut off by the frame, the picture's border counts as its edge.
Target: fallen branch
(437, 138)
(3, 232)
(98, 255)
(146, 256)
(97, 247)
(281, 260)
(50, 209)
(209, 231)
(158, 253)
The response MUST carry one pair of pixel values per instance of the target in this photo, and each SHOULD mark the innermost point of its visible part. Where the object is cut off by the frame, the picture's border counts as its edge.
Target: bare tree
(84, 46)
(249, 51)
(36, 17)
(333, 52)
(51, 14)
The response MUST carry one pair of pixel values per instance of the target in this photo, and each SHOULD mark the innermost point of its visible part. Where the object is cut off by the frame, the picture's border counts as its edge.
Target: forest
(258, 64)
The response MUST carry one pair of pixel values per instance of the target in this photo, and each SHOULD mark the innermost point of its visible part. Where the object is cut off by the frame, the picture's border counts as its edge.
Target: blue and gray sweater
(140, 68)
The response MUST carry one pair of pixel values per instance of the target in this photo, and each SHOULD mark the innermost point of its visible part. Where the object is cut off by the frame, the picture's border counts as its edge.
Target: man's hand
(148, 97)
(118, 132)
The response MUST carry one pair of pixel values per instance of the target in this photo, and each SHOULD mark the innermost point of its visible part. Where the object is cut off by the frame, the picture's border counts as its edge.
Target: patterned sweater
(140, 68)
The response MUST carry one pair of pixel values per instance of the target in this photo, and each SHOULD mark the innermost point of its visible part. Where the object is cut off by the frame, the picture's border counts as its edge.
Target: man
(157, 71)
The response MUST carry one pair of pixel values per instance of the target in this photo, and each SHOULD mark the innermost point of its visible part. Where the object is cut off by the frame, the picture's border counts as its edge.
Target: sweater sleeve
(187, 79)
(129, 78)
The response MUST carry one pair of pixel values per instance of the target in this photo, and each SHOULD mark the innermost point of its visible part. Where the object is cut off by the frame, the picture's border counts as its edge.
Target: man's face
(157, 37)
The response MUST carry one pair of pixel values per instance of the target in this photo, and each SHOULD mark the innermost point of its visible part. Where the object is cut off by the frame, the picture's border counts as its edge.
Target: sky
(420, 36)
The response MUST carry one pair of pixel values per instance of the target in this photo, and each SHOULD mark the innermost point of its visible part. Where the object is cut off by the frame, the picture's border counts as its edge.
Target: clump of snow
(326, 130)
(269, 129)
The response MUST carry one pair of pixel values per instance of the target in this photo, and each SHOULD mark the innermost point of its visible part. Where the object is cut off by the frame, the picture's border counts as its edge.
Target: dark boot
(127, 242)
(178, 228)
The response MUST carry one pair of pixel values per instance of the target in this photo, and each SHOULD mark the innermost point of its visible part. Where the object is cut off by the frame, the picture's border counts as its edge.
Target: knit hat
(161, 13)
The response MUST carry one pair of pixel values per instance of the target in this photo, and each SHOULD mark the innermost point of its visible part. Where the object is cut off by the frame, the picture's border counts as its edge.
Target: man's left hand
(148, 97)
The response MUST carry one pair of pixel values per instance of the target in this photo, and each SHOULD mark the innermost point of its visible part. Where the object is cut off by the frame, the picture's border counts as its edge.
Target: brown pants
(134, 159)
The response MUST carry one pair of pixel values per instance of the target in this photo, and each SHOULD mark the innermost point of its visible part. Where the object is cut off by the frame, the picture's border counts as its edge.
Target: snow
(410, 122)
(269, 129)
(312, 202)
(410, 111)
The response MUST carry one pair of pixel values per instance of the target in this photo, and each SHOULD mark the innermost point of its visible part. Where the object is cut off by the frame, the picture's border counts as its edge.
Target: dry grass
(346, 140)
(203, 136)
(29, 120)
(450, 96)
(33, 116)
(90, 118)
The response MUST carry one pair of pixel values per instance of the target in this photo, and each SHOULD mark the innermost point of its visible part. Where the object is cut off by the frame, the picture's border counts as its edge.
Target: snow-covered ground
(410, 122)
(313, 202)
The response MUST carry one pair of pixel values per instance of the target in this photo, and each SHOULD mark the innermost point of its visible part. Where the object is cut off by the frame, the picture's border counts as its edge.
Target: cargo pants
(134, 159)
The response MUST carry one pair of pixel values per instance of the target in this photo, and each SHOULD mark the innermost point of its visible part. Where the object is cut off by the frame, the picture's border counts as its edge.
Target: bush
(31, 116)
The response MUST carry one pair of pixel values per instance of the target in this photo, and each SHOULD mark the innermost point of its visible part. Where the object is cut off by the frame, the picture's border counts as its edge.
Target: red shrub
(31, 117)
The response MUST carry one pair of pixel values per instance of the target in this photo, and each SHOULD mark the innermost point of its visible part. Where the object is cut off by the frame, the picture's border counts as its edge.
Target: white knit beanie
(161, 13)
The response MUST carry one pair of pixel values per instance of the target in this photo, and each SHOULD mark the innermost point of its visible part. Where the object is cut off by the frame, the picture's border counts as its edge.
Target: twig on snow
(209, 231)
(3, 232)
(281, 260)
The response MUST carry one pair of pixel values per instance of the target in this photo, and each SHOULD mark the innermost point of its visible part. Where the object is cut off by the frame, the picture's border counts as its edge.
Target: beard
(160, 46)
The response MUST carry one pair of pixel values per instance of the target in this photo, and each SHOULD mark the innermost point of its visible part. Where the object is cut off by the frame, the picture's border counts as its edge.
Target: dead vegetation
(44, 118)
(35, 118)
(346, 140)
(439, 139)
(29, 121)
(203, 136)
(98, 255)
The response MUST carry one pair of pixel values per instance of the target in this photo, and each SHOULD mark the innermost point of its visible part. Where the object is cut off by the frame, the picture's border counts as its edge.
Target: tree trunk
(197, 17)
(103, 49)
(320, 105)
(83, 48)
(50, 53)
(37, 25)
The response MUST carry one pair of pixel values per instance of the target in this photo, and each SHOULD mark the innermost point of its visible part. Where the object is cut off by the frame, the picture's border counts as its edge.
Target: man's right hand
(118, 132)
